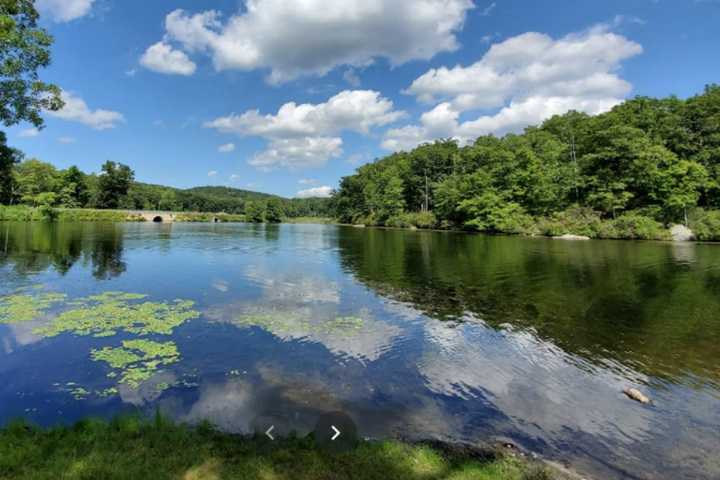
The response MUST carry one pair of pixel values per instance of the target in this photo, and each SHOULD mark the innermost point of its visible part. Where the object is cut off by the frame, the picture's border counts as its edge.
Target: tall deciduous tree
(24, 49)
(113, 184)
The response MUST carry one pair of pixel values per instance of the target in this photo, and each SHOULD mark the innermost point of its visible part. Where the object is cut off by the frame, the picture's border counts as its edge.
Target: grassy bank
(23, 213)
(133, 449)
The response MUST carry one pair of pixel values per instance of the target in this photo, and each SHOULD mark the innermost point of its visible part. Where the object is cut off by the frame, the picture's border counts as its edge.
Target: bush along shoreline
(131, 447)
(573, 224)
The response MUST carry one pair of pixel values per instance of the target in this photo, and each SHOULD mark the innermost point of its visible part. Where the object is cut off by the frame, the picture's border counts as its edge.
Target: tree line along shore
(632, 173)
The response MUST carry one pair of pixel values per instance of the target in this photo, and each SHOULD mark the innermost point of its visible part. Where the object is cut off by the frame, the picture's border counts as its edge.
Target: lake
(414, 334)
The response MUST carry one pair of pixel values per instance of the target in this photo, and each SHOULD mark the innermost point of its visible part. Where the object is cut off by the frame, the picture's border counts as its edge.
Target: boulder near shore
(569, 236)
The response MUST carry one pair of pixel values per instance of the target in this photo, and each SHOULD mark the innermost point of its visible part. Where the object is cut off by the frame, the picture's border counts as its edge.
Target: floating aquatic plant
(23, 307)
(137, 360)
(105, 314)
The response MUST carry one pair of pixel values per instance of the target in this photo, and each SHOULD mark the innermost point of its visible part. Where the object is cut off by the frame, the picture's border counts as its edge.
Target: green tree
(33, 178)
(255, 211)
(24, 49)
(113, 184)
(73, 192)
(274, 211)
(8, 158)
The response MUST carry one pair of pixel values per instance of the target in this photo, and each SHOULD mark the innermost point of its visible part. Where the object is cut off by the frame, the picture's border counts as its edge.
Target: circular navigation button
(335, 432)
(270, 427)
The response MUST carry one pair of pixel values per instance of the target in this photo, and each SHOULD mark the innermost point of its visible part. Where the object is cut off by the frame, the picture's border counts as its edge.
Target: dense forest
(628, 173)
(41, 185)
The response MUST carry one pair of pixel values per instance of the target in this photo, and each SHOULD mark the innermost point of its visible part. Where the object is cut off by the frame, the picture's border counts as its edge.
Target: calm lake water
(414, 334)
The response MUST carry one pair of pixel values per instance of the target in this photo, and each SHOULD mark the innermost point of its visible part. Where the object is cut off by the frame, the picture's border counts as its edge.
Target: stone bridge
(154, 216)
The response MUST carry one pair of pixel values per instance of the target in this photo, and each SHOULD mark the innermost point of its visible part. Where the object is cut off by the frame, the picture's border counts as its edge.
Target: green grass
(134, 449)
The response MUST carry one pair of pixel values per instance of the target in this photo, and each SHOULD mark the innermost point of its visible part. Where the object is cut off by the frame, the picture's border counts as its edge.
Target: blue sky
(287, 97)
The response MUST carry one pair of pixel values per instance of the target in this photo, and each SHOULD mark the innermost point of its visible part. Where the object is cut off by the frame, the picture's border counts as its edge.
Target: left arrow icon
(267, 432)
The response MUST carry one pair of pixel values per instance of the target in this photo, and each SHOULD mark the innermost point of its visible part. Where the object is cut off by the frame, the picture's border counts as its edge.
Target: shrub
(413, 219)
(574, 221)
(634, 226)
(706, 225)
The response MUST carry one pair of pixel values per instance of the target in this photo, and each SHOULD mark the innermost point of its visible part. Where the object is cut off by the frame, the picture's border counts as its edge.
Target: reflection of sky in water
(397, 371)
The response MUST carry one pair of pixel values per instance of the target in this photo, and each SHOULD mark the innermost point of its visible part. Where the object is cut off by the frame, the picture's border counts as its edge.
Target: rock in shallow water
(568, 236)
(681, 233)
(636, 395)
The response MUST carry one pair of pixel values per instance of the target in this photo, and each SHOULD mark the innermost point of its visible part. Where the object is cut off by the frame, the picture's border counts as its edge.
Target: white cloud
(76, 110)
(294, 153)
(317, 192)
(64, 10)
(307, 135)
(316, 36)
(212, 173)
(525, 79)
(131, 73)
(307, 181)
(66, 140)
(356, 110)
(234, 177)
(227, 148)
(29, 132)
(162, 58)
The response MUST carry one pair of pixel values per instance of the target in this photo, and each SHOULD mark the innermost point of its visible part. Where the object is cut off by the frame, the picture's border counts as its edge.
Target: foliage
(37, 184)
(706, 225)
(131, 447)
(575, 173)
(113, 184)
(24, 49)
(413, 219)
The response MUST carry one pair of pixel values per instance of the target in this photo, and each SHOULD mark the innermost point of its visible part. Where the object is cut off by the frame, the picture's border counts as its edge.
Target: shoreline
(136, 447)
(29, 214)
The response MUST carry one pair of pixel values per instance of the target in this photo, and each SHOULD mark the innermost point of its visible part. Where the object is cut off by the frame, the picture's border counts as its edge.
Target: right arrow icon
(337, 433)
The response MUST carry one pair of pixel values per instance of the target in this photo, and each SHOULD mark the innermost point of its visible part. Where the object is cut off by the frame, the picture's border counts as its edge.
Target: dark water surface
(414, 334)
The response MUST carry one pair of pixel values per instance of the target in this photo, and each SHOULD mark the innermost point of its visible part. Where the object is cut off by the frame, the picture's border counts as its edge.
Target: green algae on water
(20, 308)
(106, 314)
(137, 360)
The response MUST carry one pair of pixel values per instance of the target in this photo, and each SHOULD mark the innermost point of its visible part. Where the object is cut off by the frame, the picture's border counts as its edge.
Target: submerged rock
(636, 395)
(681, 233)
(569, 236)
(359, 225)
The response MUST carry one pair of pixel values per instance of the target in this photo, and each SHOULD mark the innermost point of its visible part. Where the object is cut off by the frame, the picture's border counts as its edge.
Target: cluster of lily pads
(103, 316)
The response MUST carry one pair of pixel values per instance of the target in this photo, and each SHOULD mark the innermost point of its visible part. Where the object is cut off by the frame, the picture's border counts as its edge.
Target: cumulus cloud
(162, 58)
(227, 148)
(317, 36)
(29, 132)
(322, 192)
(525, 79)
(307, 181)
(212, 173)
(64, 10)
(293, 153)
(76, 110)
(307, 135)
